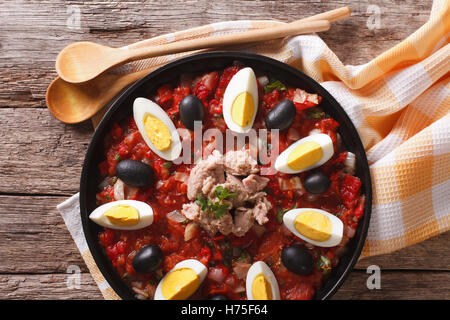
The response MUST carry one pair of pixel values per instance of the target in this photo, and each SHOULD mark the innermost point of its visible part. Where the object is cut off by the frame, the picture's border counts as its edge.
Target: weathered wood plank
(33, 32)
(394, 285)
(414, 285)
(47, 286)
(39, 154)
(35, 240)
(34, 237)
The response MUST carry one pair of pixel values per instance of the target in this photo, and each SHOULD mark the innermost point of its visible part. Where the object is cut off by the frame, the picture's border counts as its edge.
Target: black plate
(121, 107)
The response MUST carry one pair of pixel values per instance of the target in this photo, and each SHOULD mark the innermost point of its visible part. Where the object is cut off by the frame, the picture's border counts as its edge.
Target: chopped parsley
(244, 257)
(117, 157)
(274, 84)
(315, 113)
(324, 264)
(167, 164)
(223, 193)
(281, 212)
(218, 208)
(203, 202)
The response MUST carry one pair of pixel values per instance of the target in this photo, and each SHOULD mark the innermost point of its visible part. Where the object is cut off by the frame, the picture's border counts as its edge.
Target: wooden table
(41, 158)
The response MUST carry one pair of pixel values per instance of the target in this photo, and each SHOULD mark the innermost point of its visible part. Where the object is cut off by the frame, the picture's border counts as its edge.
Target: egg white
(145, 215)
(337, 227)
(143, 106)
(243, 80)
(323, 140)
(256, 269)
(198, 267)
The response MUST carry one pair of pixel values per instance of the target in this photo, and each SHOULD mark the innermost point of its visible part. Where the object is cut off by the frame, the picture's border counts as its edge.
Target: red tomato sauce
(218, 253)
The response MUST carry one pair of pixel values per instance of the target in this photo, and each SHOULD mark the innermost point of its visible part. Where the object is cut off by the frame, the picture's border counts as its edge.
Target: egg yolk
(179, 284)
(314, 225)
(242, 109)
(261, 288)
(304, 155)
(158, 132)
(122, 215)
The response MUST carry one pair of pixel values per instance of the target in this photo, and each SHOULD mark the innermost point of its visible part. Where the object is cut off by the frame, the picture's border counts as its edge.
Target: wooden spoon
(74, 103)
(83, 61)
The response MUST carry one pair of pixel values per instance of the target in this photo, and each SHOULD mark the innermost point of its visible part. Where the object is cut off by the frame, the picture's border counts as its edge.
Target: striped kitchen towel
(400, 105)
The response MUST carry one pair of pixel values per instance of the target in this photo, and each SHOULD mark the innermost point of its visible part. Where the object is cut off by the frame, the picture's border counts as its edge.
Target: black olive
(191, 109)
(218, 297)
(316, 182)
(134, 173)
(297, 259)
(281, 116)
(148, 259)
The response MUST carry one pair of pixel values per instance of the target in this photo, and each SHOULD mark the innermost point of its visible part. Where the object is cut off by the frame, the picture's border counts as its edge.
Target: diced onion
(119, 190)
(314, 131)
(239, 289)
(350, 163)
(299, 96)
(159, 184)
(181, 176)
(296, 183)
(349, 232)
(216, 274)
(240, 269)
(263, 80)
(176, 216)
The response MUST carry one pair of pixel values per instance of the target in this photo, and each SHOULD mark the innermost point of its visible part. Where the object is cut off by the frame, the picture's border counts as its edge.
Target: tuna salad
(227, 194)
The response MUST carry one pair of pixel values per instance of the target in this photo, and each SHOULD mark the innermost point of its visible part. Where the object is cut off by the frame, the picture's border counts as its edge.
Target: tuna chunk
(191, 211)
(205, 175)
(224, 224)
(243, 221)
(254, 183)
(261, 209)
(240, 163)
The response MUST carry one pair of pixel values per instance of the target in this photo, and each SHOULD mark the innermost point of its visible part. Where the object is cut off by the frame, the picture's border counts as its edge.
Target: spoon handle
(291, 29)
(331, 15)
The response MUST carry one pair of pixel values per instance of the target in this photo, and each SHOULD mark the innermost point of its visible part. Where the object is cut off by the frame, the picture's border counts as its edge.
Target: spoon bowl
(83, 60)
(75, 103)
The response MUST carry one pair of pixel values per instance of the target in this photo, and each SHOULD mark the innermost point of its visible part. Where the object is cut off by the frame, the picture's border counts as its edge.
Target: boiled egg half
(240, 101)
(123, 215)
(315, 226)
(157, 129)
(305, 154)
(182, 281)
(261, 283)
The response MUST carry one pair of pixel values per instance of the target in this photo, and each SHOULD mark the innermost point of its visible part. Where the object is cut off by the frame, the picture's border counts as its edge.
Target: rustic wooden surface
(41, 158)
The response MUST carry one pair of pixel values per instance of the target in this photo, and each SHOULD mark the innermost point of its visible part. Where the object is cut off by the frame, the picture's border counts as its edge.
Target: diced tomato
(271, 99)
(206, 85)
(349, 190)
(164, 93)
(106, 237)
(298, 291)
(178, 94)
(205, 255)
